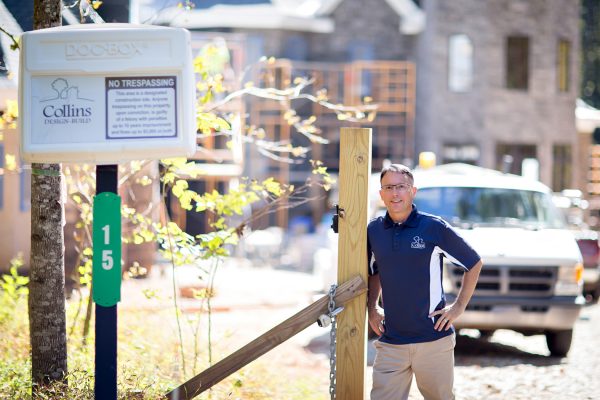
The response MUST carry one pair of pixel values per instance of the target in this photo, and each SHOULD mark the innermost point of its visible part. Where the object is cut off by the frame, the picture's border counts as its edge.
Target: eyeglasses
(401, 187)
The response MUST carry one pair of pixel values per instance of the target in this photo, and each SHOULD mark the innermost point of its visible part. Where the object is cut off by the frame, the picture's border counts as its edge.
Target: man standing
(406, 249)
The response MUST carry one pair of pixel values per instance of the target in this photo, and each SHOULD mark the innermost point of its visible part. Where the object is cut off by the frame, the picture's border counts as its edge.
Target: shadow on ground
(469, 351)
(475, 351)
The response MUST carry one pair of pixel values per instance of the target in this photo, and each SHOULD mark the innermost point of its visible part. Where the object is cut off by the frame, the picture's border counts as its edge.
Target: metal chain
(333, 341)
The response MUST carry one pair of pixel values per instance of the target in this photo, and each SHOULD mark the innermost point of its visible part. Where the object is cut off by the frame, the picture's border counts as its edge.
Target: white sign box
(106, 93)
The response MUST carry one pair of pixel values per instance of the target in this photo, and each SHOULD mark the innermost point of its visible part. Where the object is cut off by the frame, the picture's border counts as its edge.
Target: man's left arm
(450, 313)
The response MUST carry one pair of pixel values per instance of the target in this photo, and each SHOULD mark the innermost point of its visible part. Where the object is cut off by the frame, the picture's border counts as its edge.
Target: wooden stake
(355, 170)
(273, 338)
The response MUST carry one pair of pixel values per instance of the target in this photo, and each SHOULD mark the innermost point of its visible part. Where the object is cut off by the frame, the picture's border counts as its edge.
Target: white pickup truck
(532, 277)
(531, 281)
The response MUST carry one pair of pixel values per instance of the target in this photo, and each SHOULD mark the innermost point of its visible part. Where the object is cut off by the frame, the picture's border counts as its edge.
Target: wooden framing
(390, 84)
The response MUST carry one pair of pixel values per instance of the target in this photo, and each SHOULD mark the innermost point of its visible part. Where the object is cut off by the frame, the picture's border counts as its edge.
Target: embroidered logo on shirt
(417, 243)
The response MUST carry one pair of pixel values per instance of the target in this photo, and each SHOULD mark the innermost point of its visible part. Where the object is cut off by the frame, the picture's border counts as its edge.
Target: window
(490, 206)
(3, 67)
(517, 62)
(25, 189)
(562, 167)
(463, 153)
(296, 48)
(460, 63)
(360, 50)
(363, 51)
(562, 67)
(509, 157)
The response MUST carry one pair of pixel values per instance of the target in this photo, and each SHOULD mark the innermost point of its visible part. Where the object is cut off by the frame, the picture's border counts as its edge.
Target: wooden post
(355, 170)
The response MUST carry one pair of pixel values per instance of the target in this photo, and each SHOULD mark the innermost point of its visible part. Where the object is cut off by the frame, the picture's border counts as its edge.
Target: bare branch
(15, 44)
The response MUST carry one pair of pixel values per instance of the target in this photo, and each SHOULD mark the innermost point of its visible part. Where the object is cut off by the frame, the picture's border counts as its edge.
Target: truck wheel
(559, 342)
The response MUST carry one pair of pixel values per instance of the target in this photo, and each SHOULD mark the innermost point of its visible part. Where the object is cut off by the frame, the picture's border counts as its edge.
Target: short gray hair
(399, 168)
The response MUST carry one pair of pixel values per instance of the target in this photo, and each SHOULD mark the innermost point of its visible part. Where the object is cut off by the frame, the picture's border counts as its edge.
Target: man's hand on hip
(376, 320)
(447, 316)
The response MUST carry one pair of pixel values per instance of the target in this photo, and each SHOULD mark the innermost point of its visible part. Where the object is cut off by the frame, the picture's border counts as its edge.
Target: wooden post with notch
(355, 170)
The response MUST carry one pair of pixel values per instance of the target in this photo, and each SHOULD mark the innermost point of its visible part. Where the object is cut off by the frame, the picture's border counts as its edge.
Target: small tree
(174, 243)
(47, 326)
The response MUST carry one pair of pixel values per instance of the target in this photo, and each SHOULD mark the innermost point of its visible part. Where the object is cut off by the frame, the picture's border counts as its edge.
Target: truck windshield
(462, 206)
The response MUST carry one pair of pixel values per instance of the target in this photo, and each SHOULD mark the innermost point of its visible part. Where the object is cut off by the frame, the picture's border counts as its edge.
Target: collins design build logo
(65, 105)
(417, 243)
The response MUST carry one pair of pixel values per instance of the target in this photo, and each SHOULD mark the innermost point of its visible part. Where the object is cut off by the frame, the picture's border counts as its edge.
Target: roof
(257, 16)
(465, 175)
(212, 3)
(299, 15)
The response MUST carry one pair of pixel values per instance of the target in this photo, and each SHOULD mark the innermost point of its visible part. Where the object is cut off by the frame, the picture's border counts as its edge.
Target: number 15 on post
(106, 237)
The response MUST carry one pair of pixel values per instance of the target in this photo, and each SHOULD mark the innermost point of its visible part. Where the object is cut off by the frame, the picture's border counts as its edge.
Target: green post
(106, 269)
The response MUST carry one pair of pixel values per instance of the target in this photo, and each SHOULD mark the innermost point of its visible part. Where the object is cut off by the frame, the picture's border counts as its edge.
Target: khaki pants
(432, 363)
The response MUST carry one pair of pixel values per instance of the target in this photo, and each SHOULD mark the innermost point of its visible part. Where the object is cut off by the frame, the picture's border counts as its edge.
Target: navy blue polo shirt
(408, 258)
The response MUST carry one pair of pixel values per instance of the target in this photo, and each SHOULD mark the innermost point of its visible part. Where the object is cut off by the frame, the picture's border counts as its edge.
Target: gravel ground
(513, 366)
(250, 301)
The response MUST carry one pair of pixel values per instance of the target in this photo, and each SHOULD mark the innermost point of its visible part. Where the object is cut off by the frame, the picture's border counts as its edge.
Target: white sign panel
(88, 95)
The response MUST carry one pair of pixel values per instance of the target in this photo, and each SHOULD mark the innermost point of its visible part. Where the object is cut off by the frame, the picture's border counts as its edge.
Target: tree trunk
(46, 14)
(47, 320)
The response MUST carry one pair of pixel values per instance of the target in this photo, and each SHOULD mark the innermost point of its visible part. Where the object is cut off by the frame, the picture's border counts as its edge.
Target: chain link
(333, 341)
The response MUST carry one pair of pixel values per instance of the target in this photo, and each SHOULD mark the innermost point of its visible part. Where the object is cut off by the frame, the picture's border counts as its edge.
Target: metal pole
(105, 385)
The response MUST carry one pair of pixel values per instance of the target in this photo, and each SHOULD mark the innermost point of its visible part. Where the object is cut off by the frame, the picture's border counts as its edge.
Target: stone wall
(490, 113)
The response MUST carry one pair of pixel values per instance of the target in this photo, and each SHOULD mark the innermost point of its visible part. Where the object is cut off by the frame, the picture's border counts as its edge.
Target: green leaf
(22, 280)
(272, 187)
(179, 187)
(220, 224)
(168, 177)
(232, 239)
(147, 234)
(150, 293)
(221, 125)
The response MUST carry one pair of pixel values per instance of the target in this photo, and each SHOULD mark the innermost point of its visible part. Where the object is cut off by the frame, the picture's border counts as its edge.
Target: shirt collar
(411, 221)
